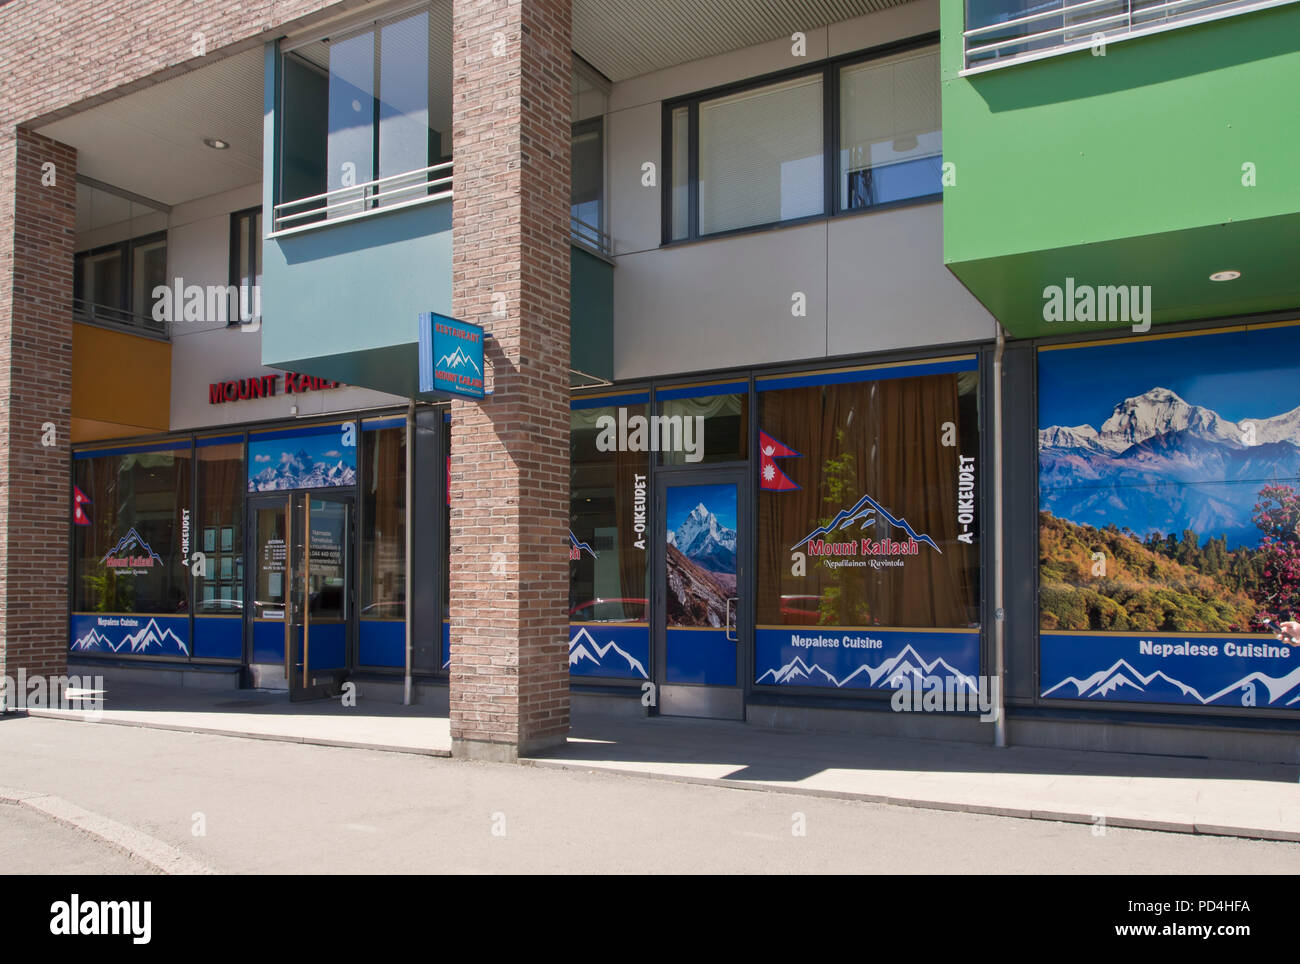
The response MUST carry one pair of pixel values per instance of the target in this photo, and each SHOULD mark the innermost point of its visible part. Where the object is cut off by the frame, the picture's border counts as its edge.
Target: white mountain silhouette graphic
(1104, 682)
(458, 359)
(583, 646)
(907, 664)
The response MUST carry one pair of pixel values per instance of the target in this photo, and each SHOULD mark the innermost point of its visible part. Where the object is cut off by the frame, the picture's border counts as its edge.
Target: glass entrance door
(702, 607)
(324, 609)
(303, 589)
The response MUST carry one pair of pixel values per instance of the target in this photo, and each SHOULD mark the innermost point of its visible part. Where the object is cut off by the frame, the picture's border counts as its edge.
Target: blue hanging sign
(451, 356)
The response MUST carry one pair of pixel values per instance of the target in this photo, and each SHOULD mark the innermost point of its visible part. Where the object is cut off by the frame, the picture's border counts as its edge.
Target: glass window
(383, 537)
(129, 551)
(148, 271)
(588, 182)
(371, 103)
(246, 264)
(860, 467)
(115, 284)
(219, 530)
(608, 544)
(681, 173)
(103, 279)
(708, 428)
(761, 156)
(890, 140)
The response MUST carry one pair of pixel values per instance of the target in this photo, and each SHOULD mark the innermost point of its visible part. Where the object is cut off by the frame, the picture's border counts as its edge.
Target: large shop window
(365, 104)
(383, 547)
(219, 536)
(608, 542)
(868, 528)
(132, 536)
(762, 155)
(1169, 519)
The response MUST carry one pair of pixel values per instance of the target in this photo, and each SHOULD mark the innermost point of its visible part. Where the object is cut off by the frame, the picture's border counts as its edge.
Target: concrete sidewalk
(269, 715)
(1123, 790)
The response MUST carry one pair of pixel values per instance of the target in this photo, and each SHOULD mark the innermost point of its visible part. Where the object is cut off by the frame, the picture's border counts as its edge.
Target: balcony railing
(362, 200)
(589, 236)
(118, 318)
(1035, 31)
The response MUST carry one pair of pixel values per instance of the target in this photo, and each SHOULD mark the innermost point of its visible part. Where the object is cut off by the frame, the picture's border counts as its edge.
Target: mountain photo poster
(305, 459)
(1169, 518)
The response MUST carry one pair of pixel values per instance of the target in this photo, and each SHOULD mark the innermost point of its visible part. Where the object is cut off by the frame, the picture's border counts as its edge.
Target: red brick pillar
(510, 453)
(38, 221)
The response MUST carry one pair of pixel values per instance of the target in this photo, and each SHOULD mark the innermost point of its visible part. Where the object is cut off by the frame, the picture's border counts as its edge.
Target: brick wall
(510, 453)
(57, 56)
(38, 213)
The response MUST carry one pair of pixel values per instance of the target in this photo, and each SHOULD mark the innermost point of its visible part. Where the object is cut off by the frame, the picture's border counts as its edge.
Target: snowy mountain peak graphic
(1121, 472)
(458, 359)
(583, 647)
(1121, 680)
(128, 543)
(864, 513)
(907, 668)
(155, 639)
(703, 539)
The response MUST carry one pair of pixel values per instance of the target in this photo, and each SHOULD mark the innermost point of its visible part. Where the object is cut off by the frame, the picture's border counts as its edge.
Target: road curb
(162, 857)
(1118, 820)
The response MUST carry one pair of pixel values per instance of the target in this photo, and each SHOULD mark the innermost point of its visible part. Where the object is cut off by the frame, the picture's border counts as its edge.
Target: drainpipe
(999, 615)
(410, 521)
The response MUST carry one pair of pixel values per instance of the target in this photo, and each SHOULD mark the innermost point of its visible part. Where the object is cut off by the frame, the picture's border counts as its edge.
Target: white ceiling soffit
(627, 38)
(151, 142)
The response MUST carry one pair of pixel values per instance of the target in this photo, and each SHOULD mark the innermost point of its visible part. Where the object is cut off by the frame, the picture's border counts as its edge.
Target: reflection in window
(129, 558)
(373, 102)
(219, 530)
(383, 537)
(881, 439)
(607, 522)
(890, 141)
(761, 156)
(710, 428)
(587, 196)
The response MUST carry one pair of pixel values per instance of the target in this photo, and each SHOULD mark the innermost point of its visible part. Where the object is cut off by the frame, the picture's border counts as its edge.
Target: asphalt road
(290, 808)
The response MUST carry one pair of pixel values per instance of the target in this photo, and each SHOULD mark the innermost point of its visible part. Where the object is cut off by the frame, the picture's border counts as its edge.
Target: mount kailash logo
(583, 647)
(121, 557)
(863, 513)
(1121, 473)
(458, 359)
(577, 548)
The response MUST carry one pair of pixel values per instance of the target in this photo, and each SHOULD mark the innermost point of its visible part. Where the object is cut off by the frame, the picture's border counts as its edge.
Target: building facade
(910, 368)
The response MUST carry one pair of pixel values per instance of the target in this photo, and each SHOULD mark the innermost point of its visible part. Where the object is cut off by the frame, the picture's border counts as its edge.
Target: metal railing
(370, 197)
(118, 318)
(589, 236)
(1060, 26)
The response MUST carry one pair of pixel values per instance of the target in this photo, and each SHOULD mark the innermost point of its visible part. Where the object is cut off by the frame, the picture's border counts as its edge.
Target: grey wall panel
(633, 137)
(1020, 497)
(429, 496)
(888, 287)
(720, 304)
